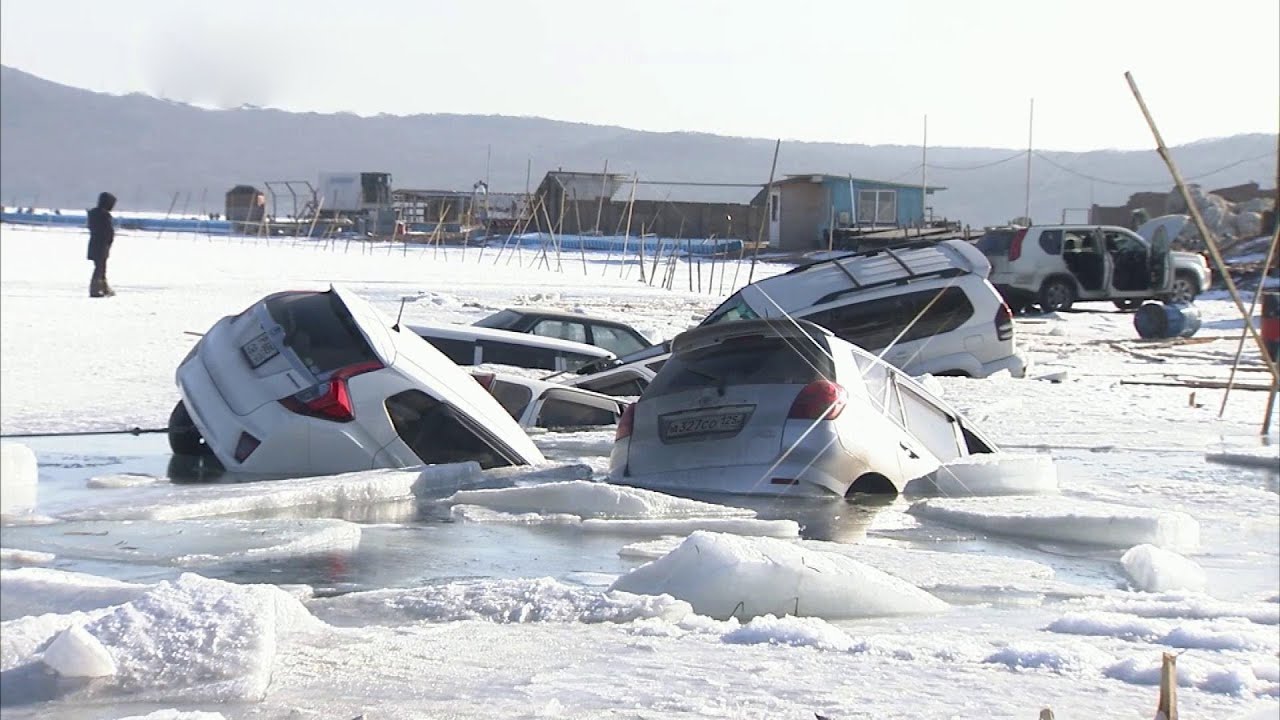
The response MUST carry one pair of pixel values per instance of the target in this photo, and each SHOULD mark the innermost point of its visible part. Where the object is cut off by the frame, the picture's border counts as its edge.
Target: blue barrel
(1166, 320)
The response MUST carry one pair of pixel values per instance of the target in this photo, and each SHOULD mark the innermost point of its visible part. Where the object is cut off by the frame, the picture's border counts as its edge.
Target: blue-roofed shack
(804, 208)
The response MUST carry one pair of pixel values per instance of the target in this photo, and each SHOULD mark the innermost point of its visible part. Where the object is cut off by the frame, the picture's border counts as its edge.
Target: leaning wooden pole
(1244, 334)
(631, 203)
(768, 205)
(1219, 264)
(604, 187)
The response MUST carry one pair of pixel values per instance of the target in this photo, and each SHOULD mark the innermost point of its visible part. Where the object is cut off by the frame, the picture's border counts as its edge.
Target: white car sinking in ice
(783, 407)
(308, 383)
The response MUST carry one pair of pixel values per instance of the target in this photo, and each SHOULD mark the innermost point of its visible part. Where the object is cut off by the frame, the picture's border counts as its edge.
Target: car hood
(1165, 228)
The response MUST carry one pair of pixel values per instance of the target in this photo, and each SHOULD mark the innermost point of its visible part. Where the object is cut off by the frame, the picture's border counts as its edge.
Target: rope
(75, 433)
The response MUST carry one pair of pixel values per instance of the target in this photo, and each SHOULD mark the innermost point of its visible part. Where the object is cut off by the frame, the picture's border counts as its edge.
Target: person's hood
(106, 201)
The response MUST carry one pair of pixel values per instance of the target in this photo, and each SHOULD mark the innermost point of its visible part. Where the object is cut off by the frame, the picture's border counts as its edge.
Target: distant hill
(59, 146)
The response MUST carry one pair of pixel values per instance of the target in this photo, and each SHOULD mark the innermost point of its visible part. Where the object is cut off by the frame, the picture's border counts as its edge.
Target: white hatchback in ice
(783, 407)
(306, 383)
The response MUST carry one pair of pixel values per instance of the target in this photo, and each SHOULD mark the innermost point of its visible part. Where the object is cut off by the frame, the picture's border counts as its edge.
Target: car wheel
(184, 437)
(1183, 289)
(1056, 294)
(1128, 304)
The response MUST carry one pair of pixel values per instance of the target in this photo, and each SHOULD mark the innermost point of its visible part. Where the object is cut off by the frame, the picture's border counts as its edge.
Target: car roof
(565, 315)
(473, 333)
(708, 335)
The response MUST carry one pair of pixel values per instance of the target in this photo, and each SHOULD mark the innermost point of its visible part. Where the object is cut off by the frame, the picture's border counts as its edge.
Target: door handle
(910, 453)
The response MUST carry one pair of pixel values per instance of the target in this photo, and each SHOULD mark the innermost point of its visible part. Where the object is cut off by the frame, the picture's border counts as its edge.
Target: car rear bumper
(1016, 364)
(1016, 297)
(794, 477)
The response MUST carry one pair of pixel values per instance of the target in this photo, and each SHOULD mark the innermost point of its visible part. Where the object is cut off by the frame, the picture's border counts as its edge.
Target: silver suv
(1055, 266)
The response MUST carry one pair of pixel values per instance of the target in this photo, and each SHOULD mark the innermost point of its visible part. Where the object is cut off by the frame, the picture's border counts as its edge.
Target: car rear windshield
(320, 329)
(501, 320)
(996, 242)
(731, 310)
(751, 360)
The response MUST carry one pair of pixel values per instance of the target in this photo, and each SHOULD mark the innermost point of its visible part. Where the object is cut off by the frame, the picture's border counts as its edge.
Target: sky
(838, 71)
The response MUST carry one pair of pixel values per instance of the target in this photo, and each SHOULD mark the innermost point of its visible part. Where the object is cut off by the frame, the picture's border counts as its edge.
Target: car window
(1119, 242)
(656, 365)
(561, 329)
(930, 425)
(1051, 241)
(436, 433)
(615, 340)
(462, 352)
(513, 397)
(996, 242)
(1078, 241)
(625, 384)
(733, 309)
(320, 330)
(561, 410)
(502, 320)
(752, 360)
(500, 353)
(873, 324)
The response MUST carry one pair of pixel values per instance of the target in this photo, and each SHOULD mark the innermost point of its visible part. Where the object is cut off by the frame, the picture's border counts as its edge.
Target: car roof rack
(886, 266)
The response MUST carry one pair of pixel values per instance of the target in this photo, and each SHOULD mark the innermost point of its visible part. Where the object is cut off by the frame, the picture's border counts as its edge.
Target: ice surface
(593, 499)
(76, 653)
(685, 526)
(171, 714)
(1106, 624)
(121, 480)
(19, 474)
(1061, 519)
(1189, 606)
(998, 474)
(503, 601)
(730, 576)
(35, 591)
(1062, 657)
(1152, 569)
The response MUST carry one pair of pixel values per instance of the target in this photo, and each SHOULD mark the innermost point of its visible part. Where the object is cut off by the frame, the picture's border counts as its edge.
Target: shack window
(878, 207)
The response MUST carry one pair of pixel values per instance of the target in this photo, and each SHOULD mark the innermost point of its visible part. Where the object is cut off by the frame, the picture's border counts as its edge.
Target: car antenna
(404, 300)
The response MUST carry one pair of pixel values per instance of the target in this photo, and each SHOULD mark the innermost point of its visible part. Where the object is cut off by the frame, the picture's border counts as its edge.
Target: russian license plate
(259, 350)
(720, 423)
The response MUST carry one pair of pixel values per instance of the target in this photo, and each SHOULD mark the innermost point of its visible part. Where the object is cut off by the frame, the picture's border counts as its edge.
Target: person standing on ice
(102, 233)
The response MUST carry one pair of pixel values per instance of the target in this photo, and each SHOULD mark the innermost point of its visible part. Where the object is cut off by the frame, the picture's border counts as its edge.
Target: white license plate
(259, 350)
(717, 424)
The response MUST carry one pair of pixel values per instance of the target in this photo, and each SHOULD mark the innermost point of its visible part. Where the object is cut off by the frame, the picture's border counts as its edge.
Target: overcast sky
(843, 71)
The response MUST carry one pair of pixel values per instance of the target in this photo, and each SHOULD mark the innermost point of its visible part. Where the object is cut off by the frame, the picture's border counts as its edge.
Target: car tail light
(626, 423)
(819, 400)
(1015, 245)
(245, 447)
(1004, 322)
(485, 380)
(330, 400)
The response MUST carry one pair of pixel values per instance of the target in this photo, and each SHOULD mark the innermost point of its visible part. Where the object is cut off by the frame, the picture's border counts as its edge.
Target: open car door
(1160, 234)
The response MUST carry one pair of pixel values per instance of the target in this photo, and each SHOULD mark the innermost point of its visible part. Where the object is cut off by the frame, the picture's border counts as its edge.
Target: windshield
(751, 360)
(320, 330)
(996, 242)
(732, 310)
(502, 320)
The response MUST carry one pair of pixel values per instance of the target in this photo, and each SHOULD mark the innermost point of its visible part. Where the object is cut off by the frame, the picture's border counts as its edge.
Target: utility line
(1157, 183)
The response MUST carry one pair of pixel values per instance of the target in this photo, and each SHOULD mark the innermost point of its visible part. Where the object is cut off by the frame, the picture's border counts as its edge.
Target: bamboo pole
(768, 207)
(1244, 333)
(1167, 706)
(168, 212)
(604, 185)
(631, 203)
(1220, 265)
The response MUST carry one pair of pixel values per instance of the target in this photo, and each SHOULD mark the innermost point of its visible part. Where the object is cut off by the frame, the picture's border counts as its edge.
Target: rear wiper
(719, 381)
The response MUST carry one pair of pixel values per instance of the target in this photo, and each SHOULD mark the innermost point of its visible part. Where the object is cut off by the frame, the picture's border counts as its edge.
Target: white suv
(1055, 266)
(924, 307)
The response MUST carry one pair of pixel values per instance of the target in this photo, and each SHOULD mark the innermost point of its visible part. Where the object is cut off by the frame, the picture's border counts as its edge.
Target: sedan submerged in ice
(783, 407)
(306, 383)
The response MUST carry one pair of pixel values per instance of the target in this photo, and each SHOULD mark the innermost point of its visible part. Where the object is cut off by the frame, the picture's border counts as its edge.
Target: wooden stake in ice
(768, 208)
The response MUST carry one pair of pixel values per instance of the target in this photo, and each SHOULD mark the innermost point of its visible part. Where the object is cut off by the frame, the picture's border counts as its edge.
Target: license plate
(259, 350)
(721, 423)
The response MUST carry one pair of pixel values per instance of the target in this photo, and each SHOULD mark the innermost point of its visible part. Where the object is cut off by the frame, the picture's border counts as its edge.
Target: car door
(561, 408)
(1161, 258)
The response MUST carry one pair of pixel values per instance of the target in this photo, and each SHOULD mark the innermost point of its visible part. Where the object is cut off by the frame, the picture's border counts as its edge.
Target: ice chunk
(1190, 606)
(330, 494)
(521, 600)
(1152, 569)
(122, 480)
(1222, 635)
(729, 576)
(1145, 670)
(198, 639)
(171, 714)
(998, 474)
(651, 549)
(1105, 624)
(479, 514)
(19, 475)
(35, 591)
(13, 556)
(1066, 658)
(1060, 519)
(21, 639)
(789, 630)
(76, 653)
(592, 499)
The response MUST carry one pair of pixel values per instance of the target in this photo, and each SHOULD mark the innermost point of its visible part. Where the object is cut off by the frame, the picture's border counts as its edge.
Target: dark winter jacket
(102, 231)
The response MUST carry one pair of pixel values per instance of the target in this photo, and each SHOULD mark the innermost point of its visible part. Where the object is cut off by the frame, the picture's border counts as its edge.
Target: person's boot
(106, 289)
(95, 289)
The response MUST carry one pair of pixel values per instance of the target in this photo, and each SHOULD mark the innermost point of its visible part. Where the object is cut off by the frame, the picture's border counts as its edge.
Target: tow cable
(74, 433)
